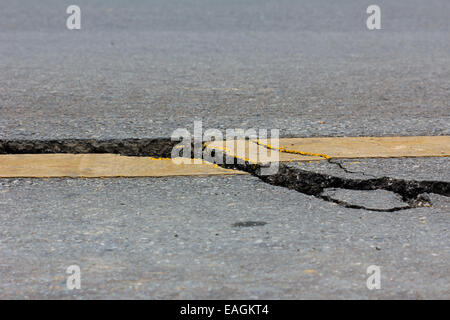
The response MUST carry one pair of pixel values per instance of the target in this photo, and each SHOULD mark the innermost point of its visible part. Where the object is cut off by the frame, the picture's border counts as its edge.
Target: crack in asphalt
(303, 181)
(354, 206)
(285, 150)
(313, 183)
(348, 171)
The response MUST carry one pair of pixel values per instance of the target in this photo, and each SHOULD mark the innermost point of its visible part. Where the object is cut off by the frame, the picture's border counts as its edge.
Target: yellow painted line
(100, 166)
(312, 149)
(253, 151)
(286, 150)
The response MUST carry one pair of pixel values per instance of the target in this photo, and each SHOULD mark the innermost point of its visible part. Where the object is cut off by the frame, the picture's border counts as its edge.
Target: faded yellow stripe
(285, 150)
(308, 149)
(99, 166)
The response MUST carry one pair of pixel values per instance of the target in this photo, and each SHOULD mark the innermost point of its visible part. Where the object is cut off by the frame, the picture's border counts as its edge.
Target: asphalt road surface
(179, 238)
(142, 69)
(308, 68)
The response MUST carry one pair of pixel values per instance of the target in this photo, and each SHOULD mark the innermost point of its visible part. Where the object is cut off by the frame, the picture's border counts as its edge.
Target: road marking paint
(100, 166)
(312, 149)
(253, 151)
(285, 150)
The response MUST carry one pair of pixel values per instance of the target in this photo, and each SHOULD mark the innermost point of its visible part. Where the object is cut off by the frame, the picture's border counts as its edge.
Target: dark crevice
(158, 147)
(314, 183)
(354, 206)
(307, 182)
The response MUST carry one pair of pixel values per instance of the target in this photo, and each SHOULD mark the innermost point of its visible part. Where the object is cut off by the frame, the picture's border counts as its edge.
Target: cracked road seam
(307, 182)
(313, 183)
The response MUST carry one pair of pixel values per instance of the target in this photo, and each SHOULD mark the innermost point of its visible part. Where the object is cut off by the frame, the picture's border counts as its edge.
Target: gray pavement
(144, 69)
(145, 238)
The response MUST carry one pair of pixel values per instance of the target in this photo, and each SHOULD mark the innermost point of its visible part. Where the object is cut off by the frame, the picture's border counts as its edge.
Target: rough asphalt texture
(143, 238)
(308, 68)
(141, 70)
